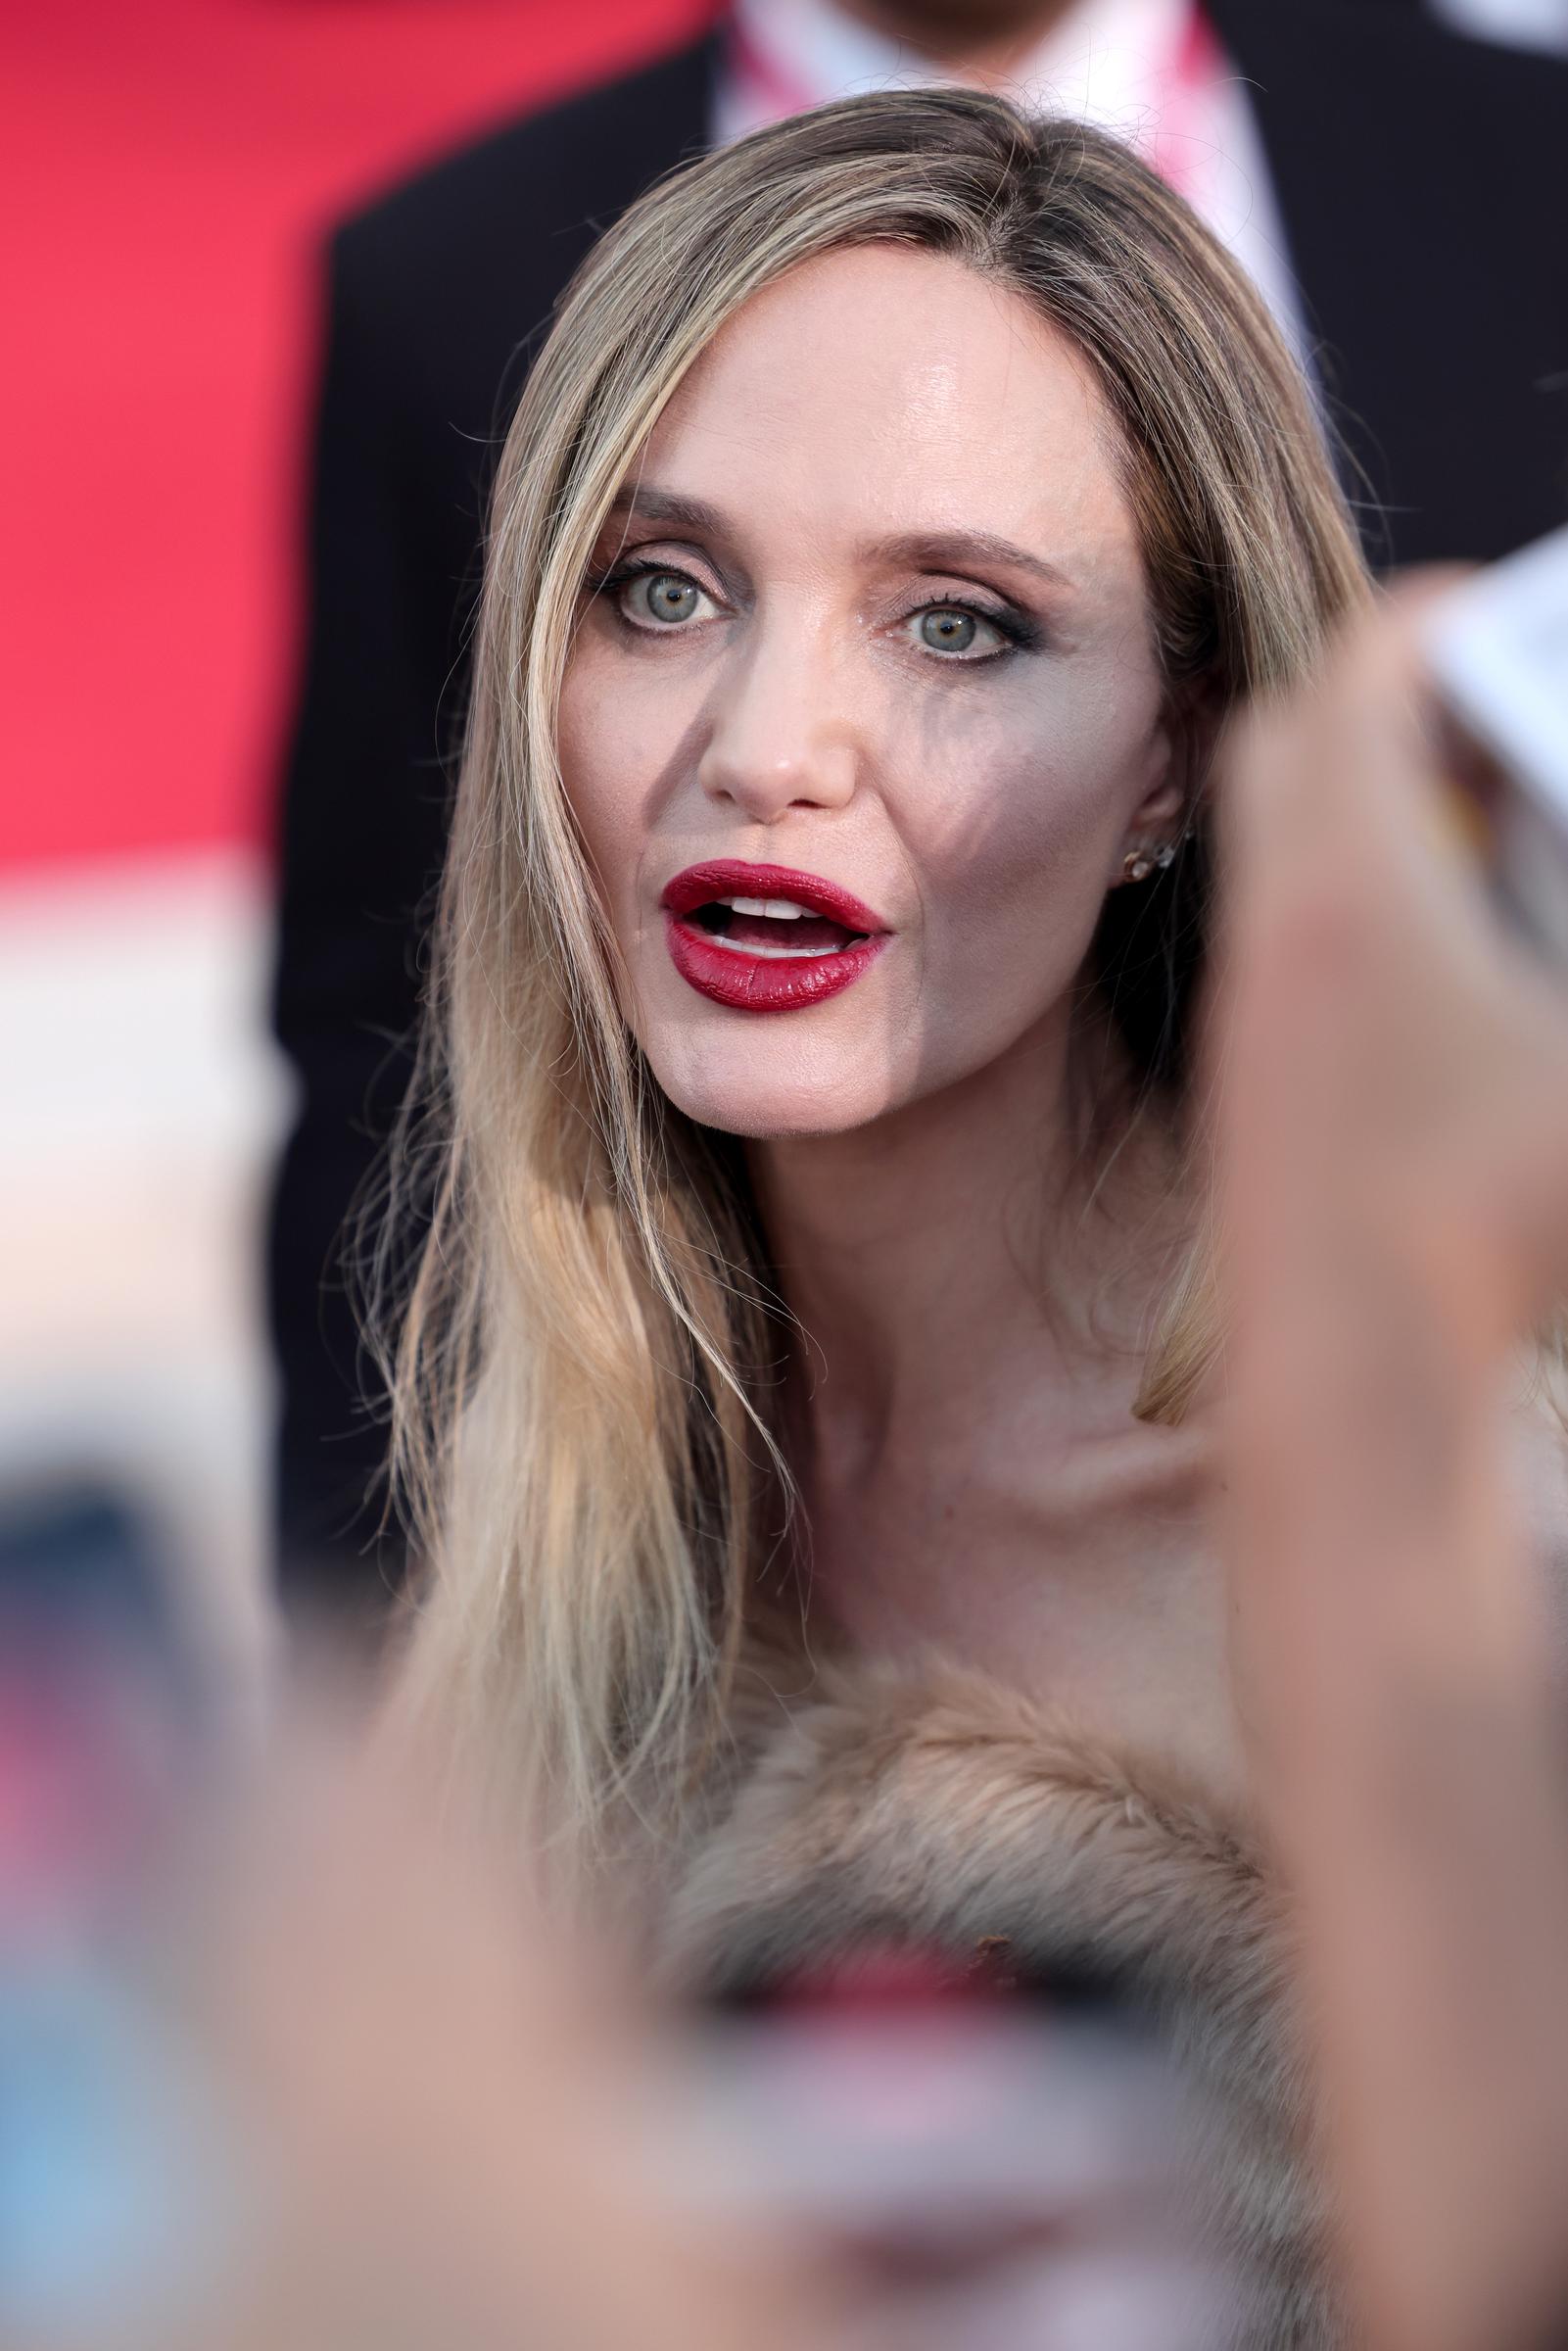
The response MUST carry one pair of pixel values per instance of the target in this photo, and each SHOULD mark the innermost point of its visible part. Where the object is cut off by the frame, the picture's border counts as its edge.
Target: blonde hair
(581, 1397)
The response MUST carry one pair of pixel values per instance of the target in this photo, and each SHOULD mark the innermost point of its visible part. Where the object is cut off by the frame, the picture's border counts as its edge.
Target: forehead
(879, 389)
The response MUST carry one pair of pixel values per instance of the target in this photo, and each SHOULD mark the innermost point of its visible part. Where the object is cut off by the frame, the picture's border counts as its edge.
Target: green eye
(666, 596)
(946, 631)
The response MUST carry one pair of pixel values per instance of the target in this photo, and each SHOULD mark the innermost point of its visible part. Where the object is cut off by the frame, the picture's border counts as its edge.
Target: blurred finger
(1382, 1064)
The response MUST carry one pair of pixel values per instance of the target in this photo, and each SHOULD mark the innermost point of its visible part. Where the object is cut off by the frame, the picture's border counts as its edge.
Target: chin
(764, 1089)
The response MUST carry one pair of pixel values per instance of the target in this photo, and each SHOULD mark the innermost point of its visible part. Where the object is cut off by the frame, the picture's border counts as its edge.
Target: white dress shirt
(1516, 23)
(1150, 70)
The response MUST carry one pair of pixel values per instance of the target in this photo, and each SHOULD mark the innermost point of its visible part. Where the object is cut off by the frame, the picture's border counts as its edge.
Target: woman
(808, 1383)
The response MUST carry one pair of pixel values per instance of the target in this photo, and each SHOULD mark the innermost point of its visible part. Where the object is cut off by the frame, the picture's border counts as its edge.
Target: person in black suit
(1419, 178)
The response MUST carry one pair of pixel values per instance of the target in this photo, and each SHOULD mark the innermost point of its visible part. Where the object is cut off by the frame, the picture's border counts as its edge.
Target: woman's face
(864, 714)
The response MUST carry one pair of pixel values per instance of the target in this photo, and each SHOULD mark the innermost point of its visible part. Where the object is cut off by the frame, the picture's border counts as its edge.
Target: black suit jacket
(1421, 181)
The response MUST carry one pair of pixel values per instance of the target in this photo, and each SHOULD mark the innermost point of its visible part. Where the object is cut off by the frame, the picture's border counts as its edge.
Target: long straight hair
(582, 1418)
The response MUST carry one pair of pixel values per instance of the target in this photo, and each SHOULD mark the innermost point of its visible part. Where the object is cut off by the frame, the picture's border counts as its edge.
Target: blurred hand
(1392, 1080)
(436, 2104)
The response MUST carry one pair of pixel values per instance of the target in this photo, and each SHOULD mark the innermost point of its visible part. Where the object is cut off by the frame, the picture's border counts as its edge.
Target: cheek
(610, 759)
(1022, 835)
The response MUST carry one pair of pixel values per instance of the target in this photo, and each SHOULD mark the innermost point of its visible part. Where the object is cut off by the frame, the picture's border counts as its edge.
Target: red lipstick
(765, 938)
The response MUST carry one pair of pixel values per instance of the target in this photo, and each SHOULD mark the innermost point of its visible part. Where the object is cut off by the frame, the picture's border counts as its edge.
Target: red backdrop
(174, 163)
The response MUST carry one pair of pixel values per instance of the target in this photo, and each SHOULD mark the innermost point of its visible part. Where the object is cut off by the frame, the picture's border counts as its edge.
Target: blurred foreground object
(983, 2163)
(1393, 1084)
(291, 2058)
(286, 2057)
(1496, 648)
(312, 2074)
(106, 1724)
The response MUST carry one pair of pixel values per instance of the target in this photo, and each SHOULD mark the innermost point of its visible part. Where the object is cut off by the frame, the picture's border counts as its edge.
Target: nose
(783, 730)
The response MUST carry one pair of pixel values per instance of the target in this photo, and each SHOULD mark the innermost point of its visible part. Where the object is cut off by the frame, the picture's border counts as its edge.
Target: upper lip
(732, 878)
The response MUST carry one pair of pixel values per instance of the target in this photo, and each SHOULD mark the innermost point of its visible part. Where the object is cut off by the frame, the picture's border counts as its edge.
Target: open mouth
(771, 927)
(765, 938)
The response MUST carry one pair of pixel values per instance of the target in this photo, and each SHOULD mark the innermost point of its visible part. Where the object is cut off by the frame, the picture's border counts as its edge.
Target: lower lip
(765, 983)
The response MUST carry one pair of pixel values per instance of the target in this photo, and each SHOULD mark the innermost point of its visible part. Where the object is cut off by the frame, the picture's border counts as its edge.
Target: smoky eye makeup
(618, 565)
(656, 598)
(653, 589)
(971, 608)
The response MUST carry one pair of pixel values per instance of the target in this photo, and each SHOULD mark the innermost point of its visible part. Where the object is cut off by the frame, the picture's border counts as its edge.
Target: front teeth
(781, 910)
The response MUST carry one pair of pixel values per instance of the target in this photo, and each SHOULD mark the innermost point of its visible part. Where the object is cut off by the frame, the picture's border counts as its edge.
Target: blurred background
(176, 168)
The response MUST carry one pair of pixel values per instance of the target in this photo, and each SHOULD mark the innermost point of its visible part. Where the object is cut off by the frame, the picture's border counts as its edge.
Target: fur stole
(932, 1806)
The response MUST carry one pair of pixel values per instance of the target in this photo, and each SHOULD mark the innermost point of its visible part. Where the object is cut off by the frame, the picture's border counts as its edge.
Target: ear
(1184, 751)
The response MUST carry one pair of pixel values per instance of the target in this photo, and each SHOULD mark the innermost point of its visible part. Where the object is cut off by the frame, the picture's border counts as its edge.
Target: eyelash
(1019, 634)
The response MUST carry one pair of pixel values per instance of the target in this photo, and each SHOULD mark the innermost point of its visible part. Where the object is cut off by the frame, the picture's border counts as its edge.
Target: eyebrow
(925, 551)
(962, 550)
(645, 504)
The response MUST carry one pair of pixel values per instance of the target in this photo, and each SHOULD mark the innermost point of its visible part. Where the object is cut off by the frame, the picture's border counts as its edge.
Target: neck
(966, 1242)
(976, 43)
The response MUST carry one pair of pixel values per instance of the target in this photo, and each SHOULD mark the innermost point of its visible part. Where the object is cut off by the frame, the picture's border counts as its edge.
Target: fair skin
(913, 1139)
